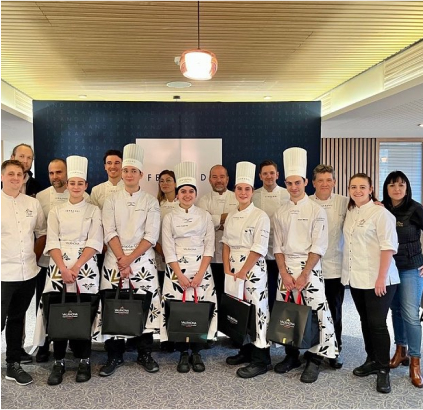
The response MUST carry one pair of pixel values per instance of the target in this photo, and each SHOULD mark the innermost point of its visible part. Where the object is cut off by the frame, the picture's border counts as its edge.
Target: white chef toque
(185, 173)
(245, 173)
(133, 156)
(77, 167)
(295, 162)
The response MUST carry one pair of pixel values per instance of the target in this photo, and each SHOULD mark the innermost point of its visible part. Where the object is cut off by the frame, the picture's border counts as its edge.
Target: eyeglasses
(167, 181)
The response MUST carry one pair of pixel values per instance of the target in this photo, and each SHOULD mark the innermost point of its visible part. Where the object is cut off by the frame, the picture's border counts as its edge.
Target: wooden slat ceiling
(125, 51)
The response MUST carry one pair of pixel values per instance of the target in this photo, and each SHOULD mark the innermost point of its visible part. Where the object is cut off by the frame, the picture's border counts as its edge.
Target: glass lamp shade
(198, 64)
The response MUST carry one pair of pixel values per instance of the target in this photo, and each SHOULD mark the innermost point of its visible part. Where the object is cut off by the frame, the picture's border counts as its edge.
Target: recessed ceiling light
(82, 96)
(179, 84)
(420, 125)
(267, 97)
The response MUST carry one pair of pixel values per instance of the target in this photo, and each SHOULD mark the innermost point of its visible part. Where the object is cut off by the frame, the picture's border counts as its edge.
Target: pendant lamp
(198, 64)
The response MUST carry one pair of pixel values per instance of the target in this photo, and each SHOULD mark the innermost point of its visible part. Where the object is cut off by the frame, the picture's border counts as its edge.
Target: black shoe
(146, 361)
(111, 365)
(337, 363)
(369, 367)
(183, 365)
(252, 370)
(311, 372)
(383, 383)
(238, 359)
(15, 372)
(25, 357)
(287, 364)
(197, 363)
(43, 354)
(56, 375)
(84, 371)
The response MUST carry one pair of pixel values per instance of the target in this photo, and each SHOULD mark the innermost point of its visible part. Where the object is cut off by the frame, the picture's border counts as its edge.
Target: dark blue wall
(249, 131)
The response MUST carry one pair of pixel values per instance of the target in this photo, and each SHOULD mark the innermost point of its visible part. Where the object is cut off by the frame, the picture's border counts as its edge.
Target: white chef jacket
(100, 192)
(368, 230)
(190, 229)
(21, 217)
(270, 202)
(336, 208)
(216, 205)
(49, 198)
(248, 229)
(300, 229)
(131, 217)
(73, 223)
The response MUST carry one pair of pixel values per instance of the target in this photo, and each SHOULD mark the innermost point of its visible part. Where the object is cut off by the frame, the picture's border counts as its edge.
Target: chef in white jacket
(188, 246)
(131, 220)
(269, 198)
(74, 237)
(50, 197)
(245, 242)
(301, 239)
(219, 202)
(336, 208)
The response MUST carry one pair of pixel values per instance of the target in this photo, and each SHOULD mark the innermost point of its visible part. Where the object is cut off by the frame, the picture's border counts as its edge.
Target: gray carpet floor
(217, 387)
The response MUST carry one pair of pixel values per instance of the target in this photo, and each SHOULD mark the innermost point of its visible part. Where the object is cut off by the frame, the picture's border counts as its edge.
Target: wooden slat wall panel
(349, 156)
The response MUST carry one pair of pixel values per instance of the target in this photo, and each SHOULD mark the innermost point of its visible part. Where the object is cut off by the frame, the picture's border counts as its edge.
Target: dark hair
(22, 145)
(12, 162)
(267, 163)
(322, 169)
(112, 152)
(160, 195)
(192, 186)
(59, 160)
(351, 203)
(396, 176)
(218, 165)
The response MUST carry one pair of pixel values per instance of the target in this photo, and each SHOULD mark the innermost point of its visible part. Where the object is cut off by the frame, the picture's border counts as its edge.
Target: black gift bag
(69, 319)
(293, 324)
(236, 319)
(188, 321)
(124, 313)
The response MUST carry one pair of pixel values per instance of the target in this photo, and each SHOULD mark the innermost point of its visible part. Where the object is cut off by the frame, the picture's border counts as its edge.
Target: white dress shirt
(21, 217)
(270, 202)
(101, 192)
(247, 229)
(49, 198)
(300, 229)
(336, 209)
(216, 205)
(368, 230)
(192, 229)
(131, 217)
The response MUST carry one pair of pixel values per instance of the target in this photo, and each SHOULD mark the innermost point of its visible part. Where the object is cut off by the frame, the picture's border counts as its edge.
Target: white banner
(160, 154)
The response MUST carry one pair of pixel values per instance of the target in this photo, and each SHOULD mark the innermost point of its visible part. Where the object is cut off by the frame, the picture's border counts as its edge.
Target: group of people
(273, 239)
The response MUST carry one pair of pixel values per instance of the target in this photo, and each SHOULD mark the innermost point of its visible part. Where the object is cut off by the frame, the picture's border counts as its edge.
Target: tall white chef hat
(185, 174)
(295, 162)
(245, 172)
(77, 167)
(133, 156)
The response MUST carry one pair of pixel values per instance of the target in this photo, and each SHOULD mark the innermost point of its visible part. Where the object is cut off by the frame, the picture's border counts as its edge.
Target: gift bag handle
(130, 286)
(78, 298)
(299, 297)
(195, 296)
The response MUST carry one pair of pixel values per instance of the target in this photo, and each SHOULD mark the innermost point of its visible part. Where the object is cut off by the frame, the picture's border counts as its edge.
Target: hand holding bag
(237, 319)
(293, 324)
(235, 288)
(69, 320)
(188, 321)
(124, 315)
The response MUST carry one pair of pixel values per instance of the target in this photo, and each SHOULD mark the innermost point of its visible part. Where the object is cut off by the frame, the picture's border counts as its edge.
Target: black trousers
(183, 347)
(255, 354)
(81, 349)
(219, 280)
(41, 282)
(335, 292)
(116, 347)
(15, 300)
(373, 311)
(272, 281)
